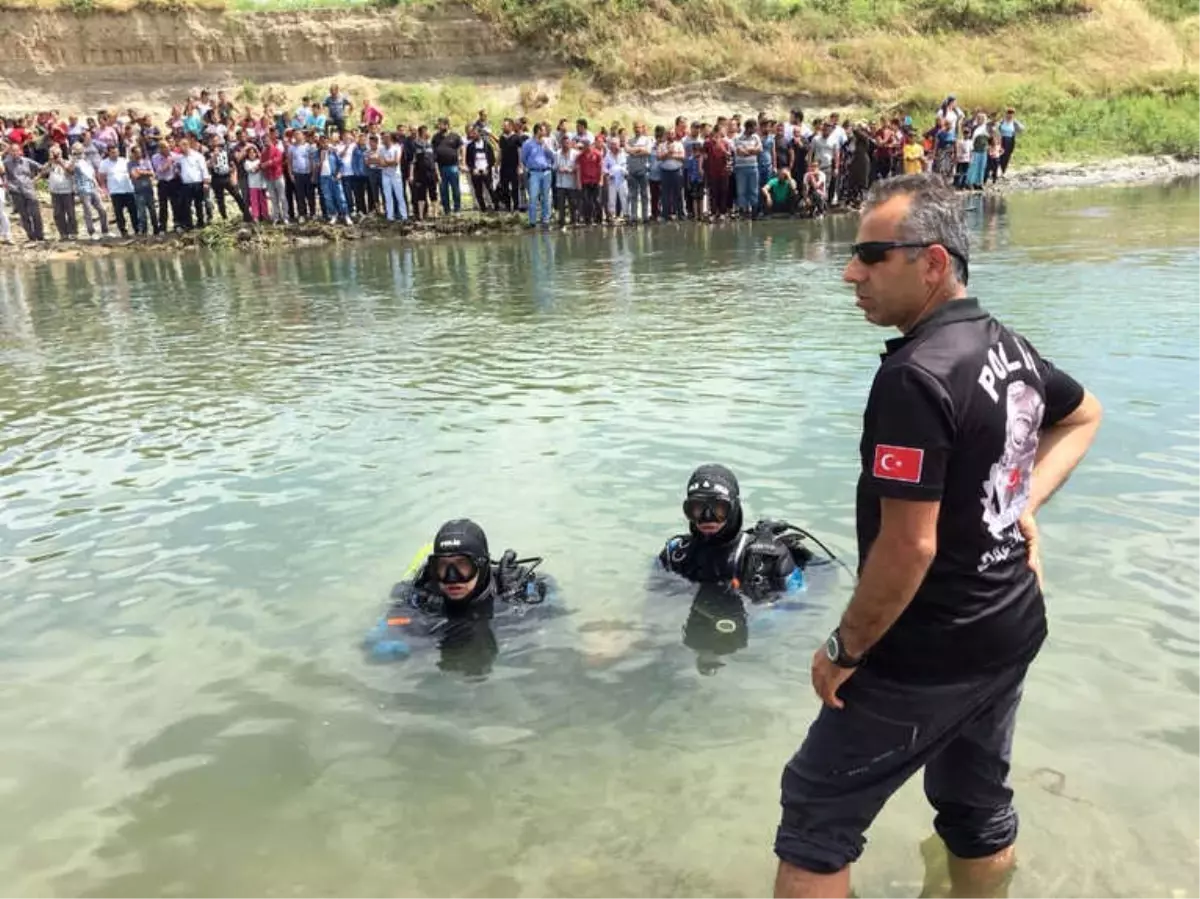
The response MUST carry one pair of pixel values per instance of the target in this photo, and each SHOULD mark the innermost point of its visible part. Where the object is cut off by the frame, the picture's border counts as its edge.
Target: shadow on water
(370, 789)
(219, 784)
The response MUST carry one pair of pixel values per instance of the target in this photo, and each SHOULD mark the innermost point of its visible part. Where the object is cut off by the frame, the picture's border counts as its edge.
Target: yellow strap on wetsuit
(417, 561)
(410, 572)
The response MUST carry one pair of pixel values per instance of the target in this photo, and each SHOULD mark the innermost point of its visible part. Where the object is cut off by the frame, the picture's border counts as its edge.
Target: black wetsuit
(759, 561)
(461, 629)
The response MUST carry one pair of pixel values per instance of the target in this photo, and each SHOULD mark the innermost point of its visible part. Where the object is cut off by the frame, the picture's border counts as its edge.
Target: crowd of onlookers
(334, 161)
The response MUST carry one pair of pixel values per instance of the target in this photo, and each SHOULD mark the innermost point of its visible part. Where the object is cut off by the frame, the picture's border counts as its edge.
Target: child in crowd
(962, 150)
(256, 184)
(815, 190)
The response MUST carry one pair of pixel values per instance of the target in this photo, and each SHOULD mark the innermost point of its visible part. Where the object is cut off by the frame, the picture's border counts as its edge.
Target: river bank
(1114, 172)
(240, 237)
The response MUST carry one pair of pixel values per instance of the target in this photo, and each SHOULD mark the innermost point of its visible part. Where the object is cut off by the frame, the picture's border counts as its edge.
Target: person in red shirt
(272, 172)
(58, 133)
(717, 152)
(18, 135)
(590, 169)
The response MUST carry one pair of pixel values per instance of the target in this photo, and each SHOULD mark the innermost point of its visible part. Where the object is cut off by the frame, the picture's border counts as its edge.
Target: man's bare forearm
(894, 571)
(1061, 448)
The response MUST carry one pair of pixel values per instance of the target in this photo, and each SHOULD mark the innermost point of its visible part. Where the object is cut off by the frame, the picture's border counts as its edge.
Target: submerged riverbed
(214, 467)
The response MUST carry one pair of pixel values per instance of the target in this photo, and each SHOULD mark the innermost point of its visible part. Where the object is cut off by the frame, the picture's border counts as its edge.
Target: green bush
(1173, 10)
(1129, 124)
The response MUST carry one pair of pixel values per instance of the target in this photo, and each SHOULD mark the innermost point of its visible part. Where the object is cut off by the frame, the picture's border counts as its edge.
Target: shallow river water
(214, 468)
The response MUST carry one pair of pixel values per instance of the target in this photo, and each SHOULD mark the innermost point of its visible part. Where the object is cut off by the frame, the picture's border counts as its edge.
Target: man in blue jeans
(967, 432)
(538, 161)
(447, 151)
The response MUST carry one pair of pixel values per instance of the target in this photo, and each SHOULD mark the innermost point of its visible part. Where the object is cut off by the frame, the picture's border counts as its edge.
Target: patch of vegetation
(579, 30)
(1173, 10)
(1135, 122)
(247, 93)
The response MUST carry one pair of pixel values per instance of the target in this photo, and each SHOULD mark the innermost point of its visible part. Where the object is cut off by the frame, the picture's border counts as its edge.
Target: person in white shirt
(637, 171)
(117, 182)
(566, 192)
(824, 150)
(615, 164)
(193, 179)
(391, 159)
(838, 133)
(950, 112)
(5, 225)
(62, 193)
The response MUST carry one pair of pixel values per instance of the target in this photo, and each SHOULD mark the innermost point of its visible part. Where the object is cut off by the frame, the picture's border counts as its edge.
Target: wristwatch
(837, 654)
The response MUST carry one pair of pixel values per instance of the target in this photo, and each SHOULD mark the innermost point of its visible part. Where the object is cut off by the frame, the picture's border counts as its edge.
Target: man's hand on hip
(827, 678)
(1033, 546)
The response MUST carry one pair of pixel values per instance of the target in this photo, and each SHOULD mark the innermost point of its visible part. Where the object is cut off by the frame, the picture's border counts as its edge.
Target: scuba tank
(793, 536)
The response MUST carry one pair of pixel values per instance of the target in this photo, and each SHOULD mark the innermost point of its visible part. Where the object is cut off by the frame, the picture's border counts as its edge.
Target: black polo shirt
(446, 146)
(954, 415)
(510, 151)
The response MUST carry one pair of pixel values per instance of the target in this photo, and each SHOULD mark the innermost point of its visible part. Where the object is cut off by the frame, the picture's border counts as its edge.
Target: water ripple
(214, 467)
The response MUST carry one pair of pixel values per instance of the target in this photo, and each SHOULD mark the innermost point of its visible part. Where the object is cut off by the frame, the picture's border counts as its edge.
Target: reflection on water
(216, 466)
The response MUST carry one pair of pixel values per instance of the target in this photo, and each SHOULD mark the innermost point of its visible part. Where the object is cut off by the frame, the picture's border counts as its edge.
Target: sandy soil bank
(150, 59)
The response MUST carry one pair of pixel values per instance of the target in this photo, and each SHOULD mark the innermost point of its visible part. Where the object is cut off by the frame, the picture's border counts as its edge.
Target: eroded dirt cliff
(105, 58)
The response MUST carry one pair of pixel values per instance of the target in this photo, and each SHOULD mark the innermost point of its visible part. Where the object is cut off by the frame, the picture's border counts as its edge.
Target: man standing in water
(967, 432)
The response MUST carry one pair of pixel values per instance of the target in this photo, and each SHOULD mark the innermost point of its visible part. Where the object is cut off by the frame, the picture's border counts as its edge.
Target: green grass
(1134, 123)
(1174, 10)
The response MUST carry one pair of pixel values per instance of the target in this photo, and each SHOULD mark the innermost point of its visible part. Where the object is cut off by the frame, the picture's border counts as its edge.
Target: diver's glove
(383, 643)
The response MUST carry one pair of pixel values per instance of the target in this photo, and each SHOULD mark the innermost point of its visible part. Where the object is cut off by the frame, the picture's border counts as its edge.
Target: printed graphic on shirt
(1006, 490)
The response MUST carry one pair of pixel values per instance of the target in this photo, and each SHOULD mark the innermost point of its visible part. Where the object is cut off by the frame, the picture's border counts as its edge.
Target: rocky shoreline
(242, 237)
(231, 235)
(1111, 173)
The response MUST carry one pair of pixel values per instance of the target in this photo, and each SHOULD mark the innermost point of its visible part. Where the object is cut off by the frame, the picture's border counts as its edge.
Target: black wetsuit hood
(716, 482)
(463, 537)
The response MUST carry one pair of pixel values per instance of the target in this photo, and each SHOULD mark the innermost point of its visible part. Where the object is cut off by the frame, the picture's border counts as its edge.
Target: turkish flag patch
(898, 463)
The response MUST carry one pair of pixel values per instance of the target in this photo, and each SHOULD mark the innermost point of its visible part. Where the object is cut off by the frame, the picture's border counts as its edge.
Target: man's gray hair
(935, 214)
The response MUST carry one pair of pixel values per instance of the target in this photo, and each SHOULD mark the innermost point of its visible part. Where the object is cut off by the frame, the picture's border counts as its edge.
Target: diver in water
(750, 580)
(454, 596)
(758, 562)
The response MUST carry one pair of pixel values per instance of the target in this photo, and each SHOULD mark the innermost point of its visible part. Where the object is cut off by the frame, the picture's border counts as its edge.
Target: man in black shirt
(447, 151)
(967, 432)
(509, 190)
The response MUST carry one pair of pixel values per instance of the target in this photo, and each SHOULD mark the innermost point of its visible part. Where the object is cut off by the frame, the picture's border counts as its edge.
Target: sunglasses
(873, 252)
(454, 570)
(704, 510)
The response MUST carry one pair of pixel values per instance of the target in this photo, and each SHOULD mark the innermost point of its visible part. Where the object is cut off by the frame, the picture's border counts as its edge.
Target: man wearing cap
(967, 432)
(457, 582)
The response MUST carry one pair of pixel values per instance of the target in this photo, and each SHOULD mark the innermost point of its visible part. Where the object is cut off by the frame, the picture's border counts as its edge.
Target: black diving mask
(454, 569)
(707, 509)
